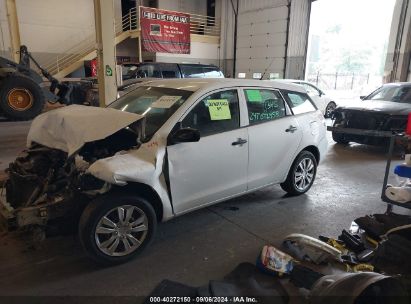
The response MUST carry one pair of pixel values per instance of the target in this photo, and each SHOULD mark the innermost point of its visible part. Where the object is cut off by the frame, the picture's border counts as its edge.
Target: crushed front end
(365, 120)
(47, 187)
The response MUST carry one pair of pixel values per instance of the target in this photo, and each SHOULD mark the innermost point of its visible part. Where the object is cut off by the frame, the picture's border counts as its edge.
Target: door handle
(291, 129)
(239, 142)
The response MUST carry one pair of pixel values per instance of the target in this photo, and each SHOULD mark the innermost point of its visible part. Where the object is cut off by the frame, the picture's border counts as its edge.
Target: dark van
(170, 70)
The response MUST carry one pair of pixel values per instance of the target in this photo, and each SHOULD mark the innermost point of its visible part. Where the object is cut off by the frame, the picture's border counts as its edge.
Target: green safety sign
(109, 71)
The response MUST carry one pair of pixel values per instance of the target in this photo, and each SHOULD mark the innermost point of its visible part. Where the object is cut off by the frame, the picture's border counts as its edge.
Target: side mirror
(184, 135)
(321, 93)
(363, 97)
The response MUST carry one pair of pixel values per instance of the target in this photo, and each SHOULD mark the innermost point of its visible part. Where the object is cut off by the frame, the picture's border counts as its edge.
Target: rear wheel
(302, 173)
(21, 98)
(115, 228)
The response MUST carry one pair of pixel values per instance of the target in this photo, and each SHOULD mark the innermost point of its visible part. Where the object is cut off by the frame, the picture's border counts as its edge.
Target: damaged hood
(69, 128)
(380, 106)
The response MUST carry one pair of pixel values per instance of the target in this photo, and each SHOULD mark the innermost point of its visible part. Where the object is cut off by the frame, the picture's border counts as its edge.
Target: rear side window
(264, 105)
(299, 102)
(192, 71)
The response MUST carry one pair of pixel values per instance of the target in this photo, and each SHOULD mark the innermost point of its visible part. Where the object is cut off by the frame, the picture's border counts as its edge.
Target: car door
(274, 136)
(216, 166)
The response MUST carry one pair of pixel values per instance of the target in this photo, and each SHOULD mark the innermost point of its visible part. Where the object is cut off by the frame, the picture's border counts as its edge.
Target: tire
(98, 245)
(329, 109)
(339, 138)
(20, 98)
(293, 187)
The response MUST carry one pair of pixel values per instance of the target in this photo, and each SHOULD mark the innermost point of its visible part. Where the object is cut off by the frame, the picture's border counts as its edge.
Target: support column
(106, 50)
(13, 29)
(399, 47)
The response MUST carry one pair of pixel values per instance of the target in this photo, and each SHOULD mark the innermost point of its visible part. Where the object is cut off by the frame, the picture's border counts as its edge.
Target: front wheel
(115, 228)
(302, 173)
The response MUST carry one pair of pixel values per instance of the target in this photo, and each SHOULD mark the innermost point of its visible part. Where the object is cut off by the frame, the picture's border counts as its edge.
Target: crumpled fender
(143, 165)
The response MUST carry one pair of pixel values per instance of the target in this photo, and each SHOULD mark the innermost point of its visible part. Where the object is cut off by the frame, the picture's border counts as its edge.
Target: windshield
(156, 104)
(392, 93)
(144, 71)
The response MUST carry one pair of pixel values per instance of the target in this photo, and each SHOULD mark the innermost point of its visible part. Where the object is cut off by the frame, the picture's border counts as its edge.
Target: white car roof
(290, 80)
(195, 84)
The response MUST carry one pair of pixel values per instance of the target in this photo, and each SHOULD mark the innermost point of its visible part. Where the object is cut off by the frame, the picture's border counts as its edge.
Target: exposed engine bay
(47, 182)
(43, 176)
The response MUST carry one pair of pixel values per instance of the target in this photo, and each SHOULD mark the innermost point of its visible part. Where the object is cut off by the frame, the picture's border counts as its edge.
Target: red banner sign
(165, 31)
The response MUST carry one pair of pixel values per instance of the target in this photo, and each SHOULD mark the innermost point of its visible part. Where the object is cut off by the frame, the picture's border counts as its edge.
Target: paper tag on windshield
(165, 102)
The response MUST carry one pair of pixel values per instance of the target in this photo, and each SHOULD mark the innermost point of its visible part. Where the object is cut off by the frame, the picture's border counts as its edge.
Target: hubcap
(20, 99)
(121, 231)
(304, 174)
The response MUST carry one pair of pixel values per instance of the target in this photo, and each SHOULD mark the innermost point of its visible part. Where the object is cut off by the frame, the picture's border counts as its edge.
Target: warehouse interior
(204, 151)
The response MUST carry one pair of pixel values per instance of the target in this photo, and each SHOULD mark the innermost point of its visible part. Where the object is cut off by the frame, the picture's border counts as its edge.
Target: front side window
(299, 102)
(217, 113)
(264, 105)
(156, 104)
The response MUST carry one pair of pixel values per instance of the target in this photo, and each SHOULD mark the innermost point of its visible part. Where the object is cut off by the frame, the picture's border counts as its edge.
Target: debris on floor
(246, 280)
(275, 261)
(369, 262)
(308, 248)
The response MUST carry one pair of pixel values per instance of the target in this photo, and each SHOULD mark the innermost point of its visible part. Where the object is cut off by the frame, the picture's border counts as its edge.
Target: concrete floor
(203, 245)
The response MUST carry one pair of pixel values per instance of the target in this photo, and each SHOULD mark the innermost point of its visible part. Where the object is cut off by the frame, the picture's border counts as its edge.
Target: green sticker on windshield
(254, 95)
(219, 109)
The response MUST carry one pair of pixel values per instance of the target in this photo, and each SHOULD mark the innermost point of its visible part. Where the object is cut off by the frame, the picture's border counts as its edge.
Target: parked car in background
(170, 70)
(385, 109)
(323, 102)
(171, 147)
(132, 84)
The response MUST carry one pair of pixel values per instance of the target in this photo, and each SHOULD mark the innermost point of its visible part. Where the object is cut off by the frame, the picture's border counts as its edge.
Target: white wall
(205, 53)
(187, 6)
(52, 26)
(4, 31)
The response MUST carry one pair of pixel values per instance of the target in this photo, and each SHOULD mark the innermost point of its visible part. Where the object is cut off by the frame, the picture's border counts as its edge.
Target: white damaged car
(162, 150)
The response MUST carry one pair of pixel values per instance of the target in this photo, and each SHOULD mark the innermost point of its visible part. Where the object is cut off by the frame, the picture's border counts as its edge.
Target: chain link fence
(343, 81)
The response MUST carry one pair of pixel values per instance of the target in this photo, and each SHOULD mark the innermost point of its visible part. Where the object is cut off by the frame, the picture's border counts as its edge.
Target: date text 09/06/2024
(202, 300)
